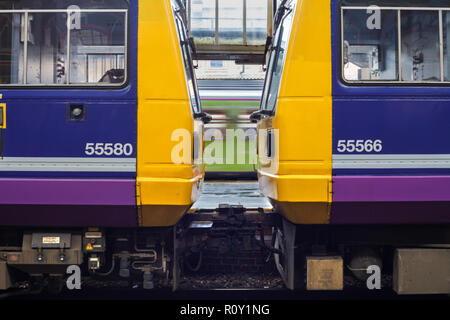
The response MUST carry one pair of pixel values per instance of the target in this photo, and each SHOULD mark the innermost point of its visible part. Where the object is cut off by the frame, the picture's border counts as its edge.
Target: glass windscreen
(276, 63)
(191, 80)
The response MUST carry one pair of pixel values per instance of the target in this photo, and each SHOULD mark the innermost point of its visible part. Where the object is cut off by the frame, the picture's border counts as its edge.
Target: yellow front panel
(161, 74)
(301, 186)
(164, 190)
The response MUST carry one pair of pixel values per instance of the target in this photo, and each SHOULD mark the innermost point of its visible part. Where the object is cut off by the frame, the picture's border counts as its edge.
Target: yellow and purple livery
(353, 143)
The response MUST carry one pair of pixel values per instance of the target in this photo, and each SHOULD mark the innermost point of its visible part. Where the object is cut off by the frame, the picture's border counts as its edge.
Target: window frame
(272, 61)
(270, 70)
(69, 85)
(188, 65)
(399, 82)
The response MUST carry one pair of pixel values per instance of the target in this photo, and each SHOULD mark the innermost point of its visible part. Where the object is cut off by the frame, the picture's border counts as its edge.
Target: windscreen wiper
(260, 114)
(281, 12)
(268, 44)
(203, 116)
(182, 11)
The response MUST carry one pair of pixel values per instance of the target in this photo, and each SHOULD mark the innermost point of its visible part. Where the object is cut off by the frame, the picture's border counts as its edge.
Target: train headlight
(77, 112)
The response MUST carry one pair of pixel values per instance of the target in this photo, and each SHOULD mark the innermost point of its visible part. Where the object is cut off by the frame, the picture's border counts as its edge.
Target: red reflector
(13, 258)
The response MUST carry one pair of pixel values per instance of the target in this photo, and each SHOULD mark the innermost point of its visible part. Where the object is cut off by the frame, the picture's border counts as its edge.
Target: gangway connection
(228, 239)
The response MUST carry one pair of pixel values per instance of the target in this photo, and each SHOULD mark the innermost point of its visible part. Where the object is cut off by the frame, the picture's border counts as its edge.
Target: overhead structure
(230, 30)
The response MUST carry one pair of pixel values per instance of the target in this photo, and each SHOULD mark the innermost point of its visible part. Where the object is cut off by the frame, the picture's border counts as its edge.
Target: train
(87, 175)
(354, 145)
(101, 160)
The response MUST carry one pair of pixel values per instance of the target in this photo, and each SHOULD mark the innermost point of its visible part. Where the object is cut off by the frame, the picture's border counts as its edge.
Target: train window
(370, 51)
(420, 46)
(407, 44)
(276, 64)
(40, 40)
(268, 80)
(62, 4)
(46, 48)
(188, 65)
(97, 45)
(277, 69)
(446, 44)
(11, 49)
(397, 3)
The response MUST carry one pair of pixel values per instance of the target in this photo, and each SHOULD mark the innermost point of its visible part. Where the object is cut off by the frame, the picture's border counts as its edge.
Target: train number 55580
(108, 149)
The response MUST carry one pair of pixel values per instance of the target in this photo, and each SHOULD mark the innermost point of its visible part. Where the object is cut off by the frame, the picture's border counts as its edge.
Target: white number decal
(128, 149)
(90, 149)
(350, 145)
(109, 149)
(360, 146)
(341, 146)
(378, 146)
(118, 149)
(369, 146)
(99, 150)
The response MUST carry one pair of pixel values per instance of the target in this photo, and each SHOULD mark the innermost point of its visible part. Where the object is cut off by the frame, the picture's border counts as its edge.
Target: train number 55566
(359, 146)
(109, 149)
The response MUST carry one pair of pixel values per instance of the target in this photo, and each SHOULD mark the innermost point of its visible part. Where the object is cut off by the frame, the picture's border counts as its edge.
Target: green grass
(250, 148)
(232, 109)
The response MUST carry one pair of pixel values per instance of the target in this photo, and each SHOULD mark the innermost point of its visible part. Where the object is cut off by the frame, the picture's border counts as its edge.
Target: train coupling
(231, 232)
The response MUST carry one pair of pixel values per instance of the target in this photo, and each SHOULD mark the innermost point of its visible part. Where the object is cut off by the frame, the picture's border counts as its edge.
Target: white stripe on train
(31, 164)
(391, 161)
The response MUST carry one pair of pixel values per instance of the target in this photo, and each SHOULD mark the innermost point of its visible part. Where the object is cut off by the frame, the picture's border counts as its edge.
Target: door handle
(2, 115)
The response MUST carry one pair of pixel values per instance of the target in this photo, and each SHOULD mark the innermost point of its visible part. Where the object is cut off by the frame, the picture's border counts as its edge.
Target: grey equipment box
(422, 271)
(50, 246)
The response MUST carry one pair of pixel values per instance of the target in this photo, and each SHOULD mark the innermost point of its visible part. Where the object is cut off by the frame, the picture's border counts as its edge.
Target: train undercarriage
(410, 259)
(415, 259)
(148, 257)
